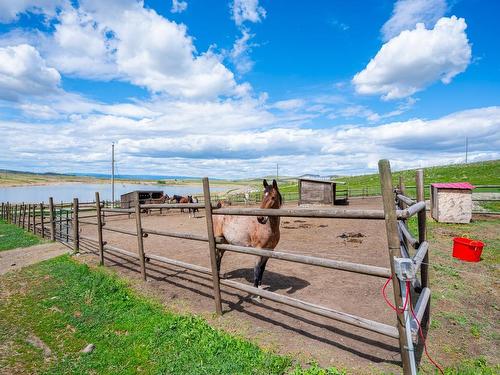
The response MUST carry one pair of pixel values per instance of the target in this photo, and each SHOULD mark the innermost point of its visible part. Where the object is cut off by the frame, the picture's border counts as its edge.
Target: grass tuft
(11, 237)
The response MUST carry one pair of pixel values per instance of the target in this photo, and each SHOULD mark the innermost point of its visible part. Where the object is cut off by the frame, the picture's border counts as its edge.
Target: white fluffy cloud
(123, 40)
(240, 138)
(24, 72)
(158, 54)
(415, 59)
(247, 10)
(407, 13)
(178, 6)
(80, 46)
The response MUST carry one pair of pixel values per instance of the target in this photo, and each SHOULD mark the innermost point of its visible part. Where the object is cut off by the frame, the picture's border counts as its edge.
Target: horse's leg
(258, 271)
(220, 254)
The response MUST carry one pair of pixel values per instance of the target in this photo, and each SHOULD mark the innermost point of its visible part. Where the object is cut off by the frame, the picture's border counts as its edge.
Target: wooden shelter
(313, 191)
(451, 202)
(145, 197)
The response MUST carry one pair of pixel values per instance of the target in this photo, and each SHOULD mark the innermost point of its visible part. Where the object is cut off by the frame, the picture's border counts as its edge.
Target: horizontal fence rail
(304, 212)
(314, 261)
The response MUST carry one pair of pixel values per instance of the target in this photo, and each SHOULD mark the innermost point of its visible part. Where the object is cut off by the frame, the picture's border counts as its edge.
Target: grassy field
(57, 307)
(12, 237)
(464, 302)
(482, 173)
(22, 179)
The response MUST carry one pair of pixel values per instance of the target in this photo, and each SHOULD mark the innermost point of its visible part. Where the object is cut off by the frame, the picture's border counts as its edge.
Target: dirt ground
(279, 327)
(22, 257)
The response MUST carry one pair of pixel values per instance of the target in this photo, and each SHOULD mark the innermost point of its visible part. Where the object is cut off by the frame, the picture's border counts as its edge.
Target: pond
(86, 192)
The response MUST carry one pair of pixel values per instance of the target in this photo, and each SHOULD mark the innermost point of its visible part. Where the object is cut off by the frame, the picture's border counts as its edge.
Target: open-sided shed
(313, 191)
(145, 196)
(451, 202)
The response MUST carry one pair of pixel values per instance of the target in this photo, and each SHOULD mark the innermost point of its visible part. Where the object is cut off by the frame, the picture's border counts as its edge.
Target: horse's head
(271, 199)
(190, 199)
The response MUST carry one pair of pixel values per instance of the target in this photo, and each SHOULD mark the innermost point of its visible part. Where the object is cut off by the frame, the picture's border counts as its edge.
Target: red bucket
(467, 249)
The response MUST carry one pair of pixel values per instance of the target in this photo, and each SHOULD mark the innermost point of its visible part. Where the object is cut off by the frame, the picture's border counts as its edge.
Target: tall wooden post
(29, 217)
(34, 218)
(52, 220)
(66, 224)
(42, 224)
(391, 225)
(24, 215)
(3, 211)
(99, 228)
(211, 245)
(402, 189)
(140, 242)
(15, 214)
(76, 239)
(422, 236)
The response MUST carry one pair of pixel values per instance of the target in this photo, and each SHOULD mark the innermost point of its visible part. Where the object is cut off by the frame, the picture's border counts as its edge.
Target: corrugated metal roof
(454, 185)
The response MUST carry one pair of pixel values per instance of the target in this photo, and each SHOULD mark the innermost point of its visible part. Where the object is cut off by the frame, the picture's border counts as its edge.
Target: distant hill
(480, 173)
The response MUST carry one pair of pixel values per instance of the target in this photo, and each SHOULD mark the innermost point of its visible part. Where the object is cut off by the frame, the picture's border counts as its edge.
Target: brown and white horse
(261, 232)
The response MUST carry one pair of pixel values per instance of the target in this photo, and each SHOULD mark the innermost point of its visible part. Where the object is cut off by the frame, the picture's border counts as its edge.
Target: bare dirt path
(24, 256)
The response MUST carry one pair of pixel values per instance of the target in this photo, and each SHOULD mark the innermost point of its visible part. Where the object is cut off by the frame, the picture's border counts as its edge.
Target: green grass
(12, 237)
(68, 305)
(482, 173)
(477, 366)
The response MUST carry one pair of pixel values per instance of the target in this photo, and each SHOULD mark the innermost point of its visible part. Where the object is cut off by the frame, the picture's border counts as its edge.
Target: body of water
(86, 192)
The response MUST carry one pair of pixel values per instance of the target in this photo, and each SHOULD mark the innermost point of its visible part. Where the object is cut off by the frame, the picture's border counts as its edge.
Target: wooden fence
(408, 255)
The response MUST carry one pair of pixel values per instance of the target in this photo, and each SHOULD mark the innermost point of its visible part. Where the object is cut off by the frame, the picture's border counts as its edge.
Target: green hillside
(481, 173)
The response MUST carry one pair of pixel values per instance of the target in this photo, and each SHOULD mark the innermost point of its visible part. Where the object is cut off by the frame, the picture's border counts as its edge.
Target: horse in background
(193, 210)
(175, 198)
(188, 199)
(261, 232)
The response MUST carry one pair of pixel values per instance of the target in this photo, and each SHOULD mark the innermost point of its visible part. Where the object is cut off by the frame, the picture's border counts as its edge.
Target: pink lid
(454, 185)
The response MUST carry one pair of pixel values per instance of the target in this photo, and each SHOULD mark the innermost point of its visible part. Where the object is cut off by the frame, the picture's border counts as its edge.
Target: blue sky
(230, 88)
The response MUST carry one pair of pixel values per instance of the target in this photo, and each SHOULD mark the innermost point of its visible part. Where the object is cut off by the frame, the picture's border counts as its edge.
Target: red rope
(408, 298)
(389, 302)
(422, 335)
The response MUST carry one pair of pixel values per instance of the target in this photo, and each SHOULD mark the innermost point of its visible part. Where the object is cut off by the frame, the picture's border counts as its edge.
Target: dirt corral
(273, 325)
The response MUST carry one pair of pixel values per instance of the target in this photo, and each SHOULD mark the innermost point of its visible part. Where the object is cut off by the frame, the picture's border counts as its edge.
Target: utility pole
(277, 172)
(466, 148)
(113, 174)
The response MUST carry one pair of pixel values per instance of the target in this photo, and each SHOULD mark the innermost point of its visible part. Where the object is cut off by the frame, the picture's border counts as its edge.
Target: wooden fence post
(393, 241)
(211, 245)
(99, 228)
(402, 189)
(52, 220)
(24, 215)
(66, 221)
(34, 218)
(42, 224)
(15, 214)
(60, 222)
(422, 236)
(2, 210)
(140, 242)
(76, 240)
(29, 217)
